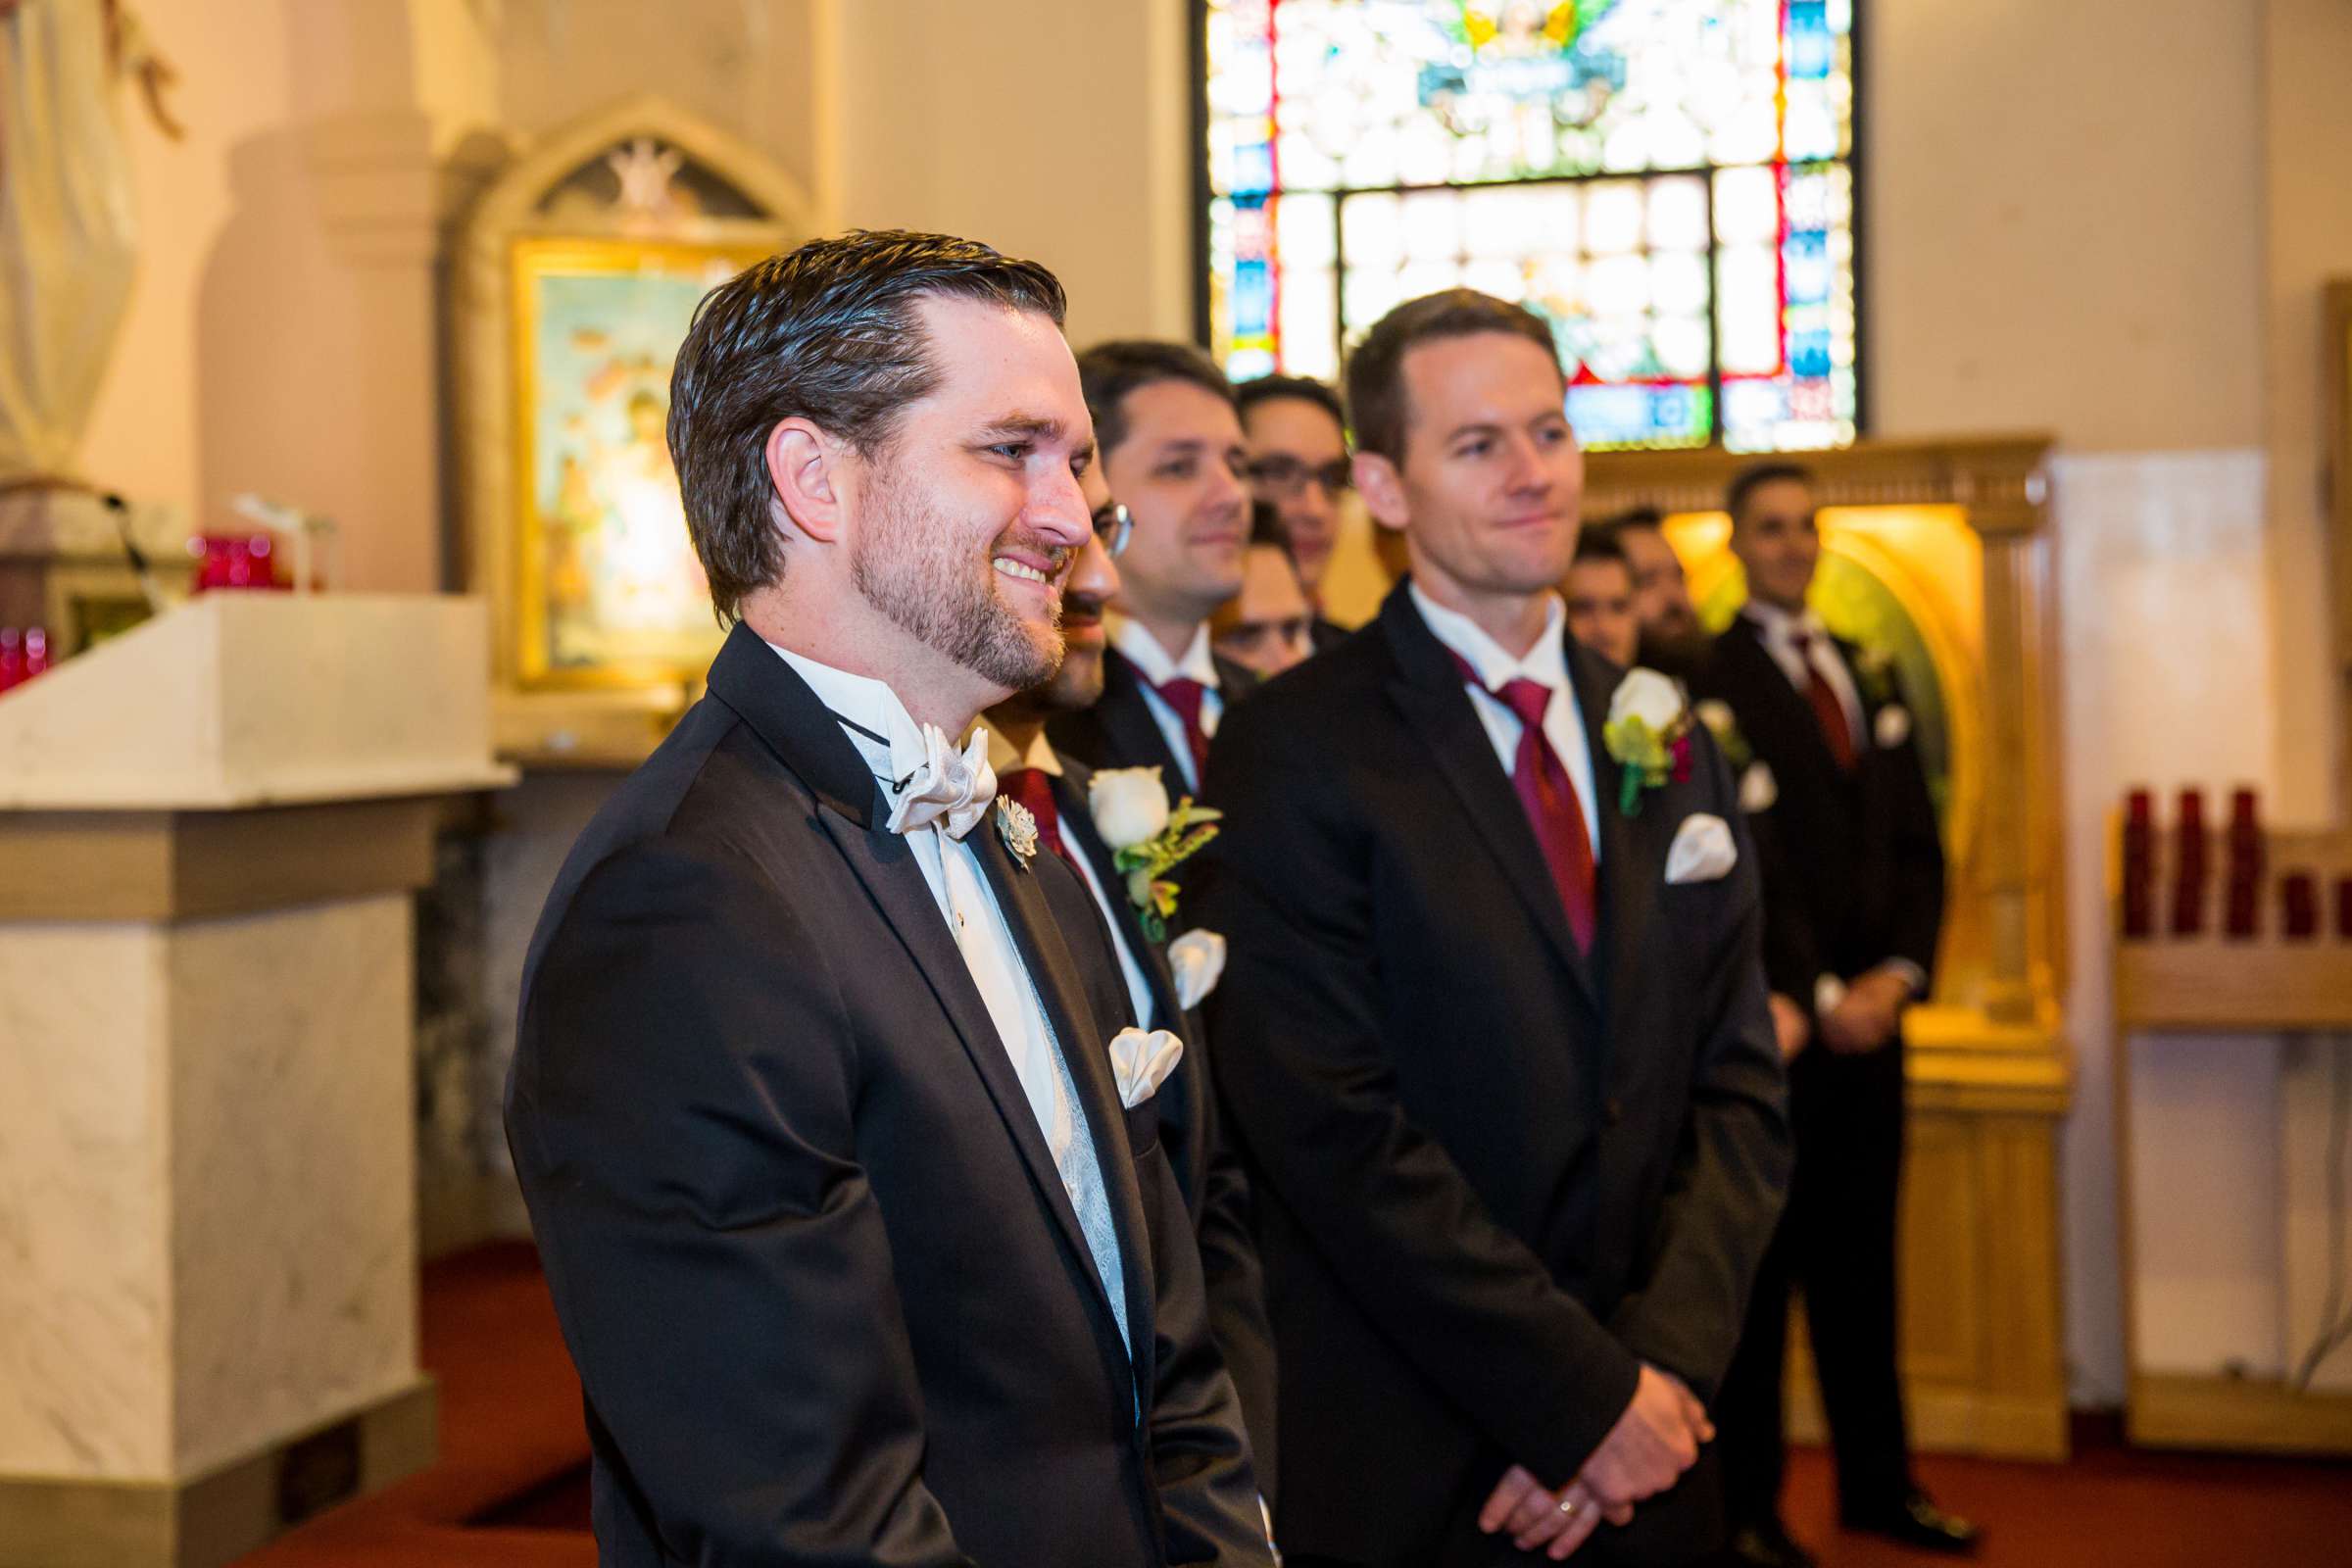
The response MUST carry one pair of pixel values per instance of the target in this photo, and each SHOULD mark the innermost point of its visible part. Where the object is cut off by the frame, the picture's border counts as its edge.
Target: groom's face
(968, 519)
(1491, 478)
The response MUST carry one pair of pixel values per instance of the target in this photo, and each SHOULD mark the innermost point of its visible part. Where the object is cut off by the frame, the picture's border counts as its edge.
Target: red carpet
(512, 1491)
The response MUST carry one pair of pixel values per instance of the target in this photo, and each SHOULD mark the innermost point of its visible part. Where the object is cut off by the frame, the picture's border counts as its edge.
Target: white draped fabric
(68, 233)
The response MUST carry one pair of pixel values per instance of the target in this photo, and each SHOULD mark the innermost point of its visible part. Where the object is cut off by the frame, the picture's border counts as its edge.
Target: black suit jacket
(1860, 852)
(1325, 635)
(1119, 731)
(1209, 1170)
(1494, 1174)
(827, 1296)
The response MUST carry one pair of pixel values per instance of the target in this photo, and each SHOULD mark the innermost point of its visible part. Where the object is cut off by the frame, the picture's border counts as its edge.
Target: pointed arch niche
(576, 275)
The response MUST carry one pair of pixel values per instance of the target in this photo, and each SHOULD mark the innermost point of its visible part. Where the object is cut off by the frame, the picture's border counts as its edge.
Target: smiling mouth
(1021, 570)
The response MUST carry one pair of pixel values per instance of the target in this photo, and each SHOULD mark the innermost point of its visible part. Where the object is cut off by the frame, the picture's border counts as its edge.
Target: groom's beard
(909, 566)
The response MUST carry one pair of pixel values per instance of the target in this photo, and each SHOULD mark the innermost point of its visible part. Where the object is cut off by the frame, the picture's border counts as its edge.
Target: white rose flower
(1650, 697)
(1130, 806)
(1891, 727)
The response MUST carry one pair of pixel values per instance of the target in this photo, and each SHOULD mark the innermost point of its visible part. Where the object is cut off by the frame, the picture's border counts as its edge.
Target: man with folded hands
(1492, 1031)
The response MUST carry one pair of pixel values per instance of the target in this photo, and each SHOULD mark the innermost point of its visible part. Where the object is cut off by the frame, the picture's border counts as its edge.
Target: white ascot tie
(951, 790)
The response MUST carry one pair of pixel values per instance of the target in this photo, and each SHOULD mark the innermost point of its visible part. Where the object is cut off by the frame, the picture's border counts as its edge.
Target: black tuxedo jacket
(1494, 1174)
(1325, 635)
(827, 1296)
(1209, 1170)
(1119, 731)
(1860, 852)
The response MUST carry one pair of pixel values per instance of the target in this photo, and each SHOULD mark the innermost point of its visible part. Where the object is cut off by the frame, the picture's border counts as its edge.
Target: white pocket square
(1703, 850)
(1198, 960)
(1141, 1061)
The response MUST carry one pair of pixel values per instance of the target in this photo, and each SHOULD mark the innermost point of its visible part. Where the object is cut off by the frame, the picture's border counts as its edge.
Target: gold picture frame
(597, 515)
(638, 208)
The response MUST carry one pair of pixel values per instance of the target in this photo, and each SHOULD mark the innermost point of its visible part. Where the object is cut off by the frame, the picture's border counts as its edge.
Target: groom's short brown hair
(827, 332)
(1377, 405)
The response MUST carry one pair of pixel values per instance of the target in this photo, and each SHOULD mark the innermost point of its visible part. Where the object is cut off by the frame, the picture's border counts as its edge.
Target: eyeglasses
(1114, 526)
(1282, 478)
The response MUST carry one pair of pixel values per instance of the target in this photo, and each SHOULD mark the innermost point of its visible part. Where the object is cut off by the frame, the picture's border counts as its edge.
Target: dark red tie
(1033, 787)
(1184, 694)
(1549, 797)
(1827, 709)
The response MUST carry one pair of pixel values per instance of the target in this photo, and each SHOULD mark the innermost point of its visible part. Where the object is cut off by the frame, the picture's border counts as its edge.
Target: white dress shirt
(867, 709)
(1042, 757)
(1546, 664)
(1142, 650)
(1777, 629)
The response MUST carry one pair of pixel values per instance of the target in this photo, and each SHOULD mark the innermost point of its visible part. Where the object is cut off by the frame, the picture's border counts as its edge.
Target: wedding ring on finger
(1568, 1506)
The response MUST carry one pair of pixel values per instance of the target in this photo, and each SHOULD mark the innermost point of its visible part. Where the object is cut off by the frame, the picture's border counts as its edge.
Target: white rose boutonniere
(1649, 733)
(1149, 838)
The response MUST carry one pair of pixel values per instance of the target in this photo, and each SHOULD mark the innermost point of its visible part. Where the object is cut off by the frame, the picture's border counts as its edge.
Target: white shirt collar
(1546, 662)
(1777, 622)
(1143, 651)
(870, 710)
(1005, 759)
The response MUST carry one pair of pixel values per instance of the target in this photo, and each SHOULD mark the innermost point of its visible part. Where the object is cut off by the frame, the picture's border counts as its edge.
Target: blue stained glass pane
(1809, 352)
(1805, 258)
(1812, 47)
(1253, 299)
(1638, 416)
(1252, 168)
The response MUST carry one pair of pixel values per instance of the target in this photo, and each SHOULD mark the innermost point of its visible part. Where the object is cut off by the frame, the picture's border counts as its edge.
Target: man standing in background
(1267, 627)
(1600, 592)
(1166, 982)
(1853, 945)
(1672, 638)
(1299, 464)
(1171, 451)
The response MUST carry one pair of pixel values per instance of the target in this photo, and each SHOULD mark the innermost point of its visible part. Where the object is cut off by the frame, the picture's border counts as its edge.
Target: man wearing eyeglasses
(1171, 450)
(1056, 789)
(1299, 464)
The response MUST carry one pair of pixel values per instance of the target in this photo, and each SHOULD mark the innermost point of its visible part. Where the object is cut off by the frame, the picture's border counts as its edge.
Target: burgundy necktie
(1184, 694)
(1549, 797)
(1827, 709)
(1033, 787)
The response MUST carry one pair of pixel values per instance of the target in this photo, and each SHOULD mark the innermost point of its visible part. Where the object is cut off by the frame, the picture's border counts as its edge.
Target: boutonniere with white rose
(1875, 669)
(1758, 790)
(1649, 733)
(1149, 838)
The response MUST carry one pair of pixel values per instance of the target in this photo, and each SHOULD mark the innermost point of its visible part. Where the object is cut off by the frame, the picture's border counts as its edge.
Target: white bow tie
(948, 790)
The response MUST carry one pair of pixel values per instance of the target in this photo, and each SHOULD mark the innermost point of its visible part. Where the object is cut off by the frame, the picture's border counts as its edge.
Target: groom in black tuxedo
(858, 1228)
(1855, 916)
(1492, 1032)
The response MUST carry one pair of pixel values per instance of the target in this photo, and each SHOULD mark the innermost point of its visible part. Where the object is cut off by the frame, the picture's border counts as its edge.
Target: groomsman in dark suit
(1672, 638)
(1853, 945)
(1165, 982)
(1171, 448)
(1492, 1032)
(1298, 465)
(841, 1161)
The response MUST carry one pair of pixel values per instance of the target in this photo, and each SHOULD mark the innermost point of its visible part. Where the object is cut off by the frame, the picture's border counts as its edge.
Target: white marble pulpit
(211, 832)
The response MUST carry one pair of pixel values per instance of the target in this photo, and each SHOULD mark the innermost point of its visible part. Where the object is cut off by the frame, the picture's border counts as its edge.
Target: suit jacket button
(1612, 1112)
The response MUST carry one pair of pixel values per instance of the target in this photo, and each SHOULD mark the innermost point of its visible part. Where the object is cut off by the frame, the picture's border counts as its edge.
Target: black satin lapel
(885, 865)
(1466, 757)
(1055, 974)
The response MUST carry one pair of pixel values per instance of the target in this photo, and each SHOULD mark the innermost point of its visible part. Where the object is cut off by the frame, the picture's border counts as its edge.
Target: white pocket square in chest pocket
(1703, 850)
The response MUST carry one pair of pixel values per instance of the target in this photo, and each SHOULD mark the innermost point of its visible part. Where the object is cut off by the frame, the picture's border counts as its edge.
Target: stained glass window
(1668, 182)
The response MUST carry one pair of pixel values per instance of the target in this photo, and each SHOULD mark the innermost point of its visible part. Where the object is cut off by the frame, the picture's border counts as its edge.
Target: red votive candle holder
(2189, 865)
(2299, 901)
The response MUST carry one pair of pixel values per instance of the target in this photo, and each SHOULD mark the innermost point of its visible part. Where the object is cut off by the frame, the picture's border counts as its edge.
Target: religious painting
(1669, 183)
(610, 590)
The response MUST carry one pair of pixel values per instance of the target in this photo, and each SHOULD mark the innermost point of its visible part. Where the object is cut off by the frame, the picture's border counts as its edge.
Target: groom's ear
(807, 471)
(1383, 489)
